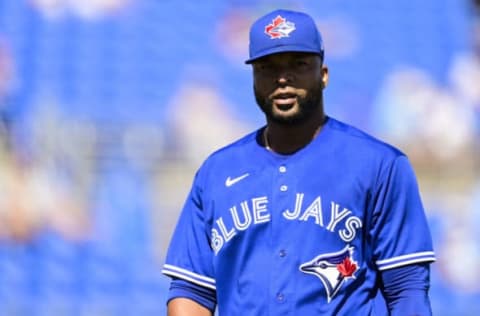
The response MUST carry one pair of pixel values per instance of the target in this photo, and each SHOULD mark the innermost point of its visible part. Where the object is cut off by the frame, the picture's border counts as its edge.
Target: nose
(284, 77)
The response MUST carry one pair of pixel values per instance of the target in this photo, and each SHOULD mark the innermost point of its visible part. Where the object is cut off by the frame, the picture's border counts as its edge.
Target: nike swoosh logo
(229, 182)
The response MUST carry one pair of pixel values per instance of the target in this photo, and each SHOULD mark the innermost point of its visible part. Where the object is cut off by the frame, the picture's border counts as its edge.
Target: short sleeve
(399, 232)
(189, 256)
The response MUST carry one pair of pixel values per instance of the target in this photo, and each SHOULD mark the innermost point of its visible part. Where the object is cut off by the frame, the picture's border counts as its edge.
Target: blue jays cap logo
(279, 28)
(333, 269)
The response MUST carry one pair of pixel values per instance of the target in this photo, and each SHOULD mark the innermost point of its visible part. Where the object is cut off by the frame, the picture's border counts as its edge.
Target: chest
(288, 200)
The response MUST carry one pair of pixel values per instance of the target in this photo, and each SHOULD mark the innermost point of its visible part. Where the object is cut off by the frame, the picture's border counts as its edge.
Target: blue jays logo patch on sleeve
(279, 28)
(333, 269)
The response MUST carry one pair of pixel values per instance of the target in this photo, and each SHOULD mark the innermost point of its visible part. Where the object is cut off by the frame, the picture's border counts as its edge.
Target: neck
(287, 139)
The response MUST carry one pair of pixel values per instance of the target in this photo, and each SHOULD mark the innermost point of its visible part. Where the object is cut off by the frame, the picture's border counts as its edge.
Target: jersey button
(283, 188)
(282, 253)
(282, 169)
(280, 297)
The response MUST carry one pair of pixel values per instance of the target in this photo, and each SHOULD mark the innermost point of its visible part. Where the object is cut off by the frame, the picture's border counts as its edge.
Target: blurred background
(107, 108)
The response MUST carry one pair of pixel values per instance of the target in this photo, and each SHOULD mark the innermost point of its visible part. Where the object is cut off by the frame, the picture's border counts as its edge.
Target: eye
(302, 63)
(263, 67)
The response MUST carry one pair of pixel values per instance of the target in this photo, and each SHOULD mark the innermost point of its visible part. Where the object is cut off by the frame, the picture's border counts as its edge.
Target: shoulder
(358, 152)
(241, 146)
(360, 141)
(239, 152)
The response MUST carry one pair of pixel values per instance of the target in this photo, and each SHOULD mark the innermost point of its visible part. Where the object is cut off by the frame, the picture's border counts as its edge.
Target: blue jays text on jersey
(256, 212)
(300, 234)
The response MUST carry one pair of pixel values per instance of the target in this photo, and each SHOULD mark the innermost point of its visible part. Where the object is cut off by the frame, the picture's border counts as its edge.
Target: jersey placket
(281, 290)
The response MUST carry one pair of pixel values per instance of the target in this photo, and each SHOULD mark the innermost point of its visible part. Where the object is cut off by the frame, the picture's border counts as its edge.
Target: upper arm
(189, 260)
(186, 307)
(399, 231)
(405, 289)
(190, 255)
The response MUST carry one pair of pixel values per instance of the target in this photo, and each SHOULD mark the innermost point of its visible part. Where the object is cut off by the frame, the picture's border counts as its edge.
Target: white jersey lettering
(216, 241)
(315, 210)
(298, 207)
(256, 211)
(336, 217)
(351, 225)
(227, 235)
(260, 211)
(247, 217)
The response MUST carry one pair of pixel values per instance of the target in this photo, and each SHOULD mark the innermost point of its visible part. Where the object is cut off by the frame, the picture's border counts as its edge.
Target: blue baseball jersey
(300, 234)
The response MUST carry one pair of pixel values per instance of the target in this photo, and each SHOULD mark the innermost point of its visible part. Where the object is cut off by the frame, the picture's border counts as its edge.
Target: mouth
(284, 101)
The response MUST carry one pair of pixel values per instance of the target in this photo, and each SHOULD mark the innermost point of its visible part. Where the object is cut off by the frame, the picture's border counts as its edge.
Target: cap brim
(283, 49)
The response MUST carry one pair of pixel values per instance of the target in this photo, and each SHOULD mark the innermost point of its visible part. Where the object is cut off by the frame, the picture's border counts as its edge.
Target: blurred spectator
(436, 124)
(465, 71)
(38, 196)
(200, 119)
(414, 112)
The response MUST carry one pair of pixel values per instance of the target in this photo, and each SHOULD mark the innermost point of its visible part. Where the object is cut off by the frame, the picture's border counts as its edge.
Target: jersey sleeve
(189, 256)
(400, 232)
(199, 294)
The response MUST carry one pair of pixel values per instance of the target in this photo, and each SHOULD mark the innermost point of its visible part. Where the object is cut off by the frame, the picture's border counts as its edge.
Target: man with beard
(306, 215)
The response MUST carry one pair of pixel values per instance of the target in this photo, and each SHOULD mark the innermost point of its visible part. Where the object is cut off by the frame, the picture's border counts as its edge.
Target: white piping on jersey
(404, 263)
(189, 276)
(405, 259)
(412, 255)
(229, 182)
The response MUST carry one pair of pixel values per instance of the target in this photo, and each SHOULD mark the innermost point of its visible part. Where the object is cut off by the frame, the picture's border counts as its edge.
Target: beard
(307, 106)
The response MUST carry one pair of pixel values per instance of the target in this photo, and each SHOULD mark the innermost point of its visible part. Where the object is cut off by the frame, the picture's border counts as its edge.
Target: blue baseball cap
(284, 31)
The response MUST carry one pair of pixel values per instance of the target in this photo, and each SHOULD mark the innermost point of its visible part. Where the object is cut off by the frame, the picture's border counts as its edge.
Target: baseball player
(306, 215)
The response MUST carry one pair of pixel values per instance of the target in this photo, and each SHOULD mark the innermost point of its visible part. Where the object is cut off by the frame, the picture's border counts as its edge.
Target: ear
(324, 76)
